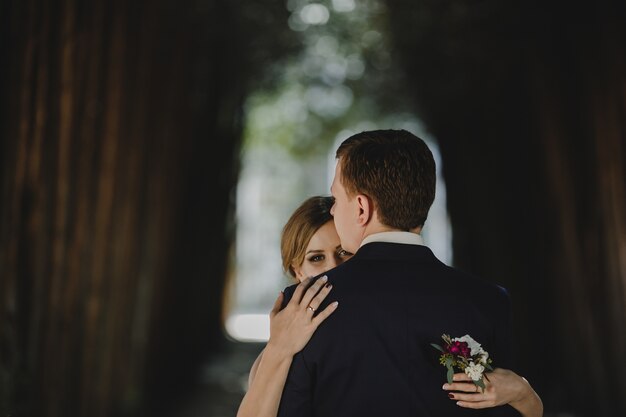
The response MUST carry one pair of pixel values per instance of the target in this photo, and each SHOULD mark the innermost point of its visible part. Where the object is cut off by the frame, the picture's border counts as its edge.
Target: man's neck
(396, 236)
(376, 227)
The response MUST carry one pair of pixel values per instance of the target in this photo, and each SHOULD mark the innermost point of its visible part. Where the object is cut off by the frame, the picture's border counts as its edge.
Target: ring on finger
(311, 308)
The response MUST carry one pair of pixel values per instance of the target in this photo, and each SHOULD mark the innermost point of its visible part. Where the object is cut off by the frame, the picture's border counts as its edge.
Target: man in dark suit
(374, 357)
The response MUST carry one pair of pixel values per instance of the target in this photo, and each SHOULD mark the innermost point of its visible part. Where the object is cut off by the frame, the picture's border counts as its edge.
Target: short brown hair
(312, 214)
(396, 169)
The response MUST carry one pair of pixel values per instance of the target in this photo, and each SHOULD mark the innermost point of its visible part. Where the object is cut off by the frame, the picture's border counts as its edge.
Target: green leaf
(488, 367)
(436, 346)
(481, 384)
(450, 374)
(449, 361)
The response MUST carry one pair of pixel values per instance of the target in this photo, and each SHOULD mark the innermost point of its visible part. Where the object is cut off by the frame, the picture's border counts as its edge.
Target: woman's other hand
(502, 386)
(292, 327)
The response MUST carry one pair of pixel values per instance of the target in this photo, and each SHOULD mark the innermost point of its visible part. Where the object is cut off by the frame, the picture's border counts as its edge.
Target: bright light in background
(249, 327)
(343, 81)
(314, 14)
(269, 190)
(343, 6)
(329, 102)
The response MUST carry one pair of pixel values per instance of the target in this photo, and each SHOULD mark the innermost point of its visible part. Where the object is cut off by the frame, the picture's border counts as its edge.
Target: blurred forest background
(126, 126)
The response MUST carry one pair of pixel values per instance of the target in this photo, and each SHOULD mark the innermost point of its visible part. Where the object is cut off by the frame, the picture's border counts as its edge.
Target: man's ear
(365, 207)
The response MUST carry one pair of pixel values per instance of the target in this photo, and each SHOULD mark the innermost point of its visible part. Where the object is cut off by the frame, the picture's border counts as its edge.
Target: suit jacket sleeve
(297, 398)
(287, 295)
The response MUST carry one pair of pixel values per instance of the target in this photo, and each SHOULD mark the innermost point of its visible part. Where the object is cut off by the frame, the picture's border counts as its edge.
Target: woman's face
(323, 252)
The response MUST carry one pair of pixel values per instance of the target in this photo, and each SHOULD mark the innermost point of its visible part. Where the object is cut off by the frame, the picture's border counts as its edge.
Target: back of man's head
(394, 168)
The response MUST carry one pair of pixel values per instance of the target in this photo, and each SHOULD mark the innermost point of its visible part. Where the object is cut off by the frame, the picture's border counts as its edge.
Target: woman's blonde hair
(312, 214)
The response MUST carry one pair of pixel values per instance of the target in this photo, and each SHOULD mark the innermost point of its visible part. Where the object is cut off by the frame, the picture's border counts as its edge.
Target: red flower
(459, 348)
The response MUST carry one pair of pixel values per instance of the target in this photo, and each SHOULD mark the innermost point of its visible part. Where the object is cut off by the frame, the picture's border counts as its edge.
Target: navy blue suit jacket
(373, 356)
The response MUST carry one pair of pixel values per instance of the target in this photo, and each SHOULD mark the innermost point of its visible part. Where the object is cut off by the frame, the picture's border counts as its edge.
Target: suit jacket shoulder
(288, 294)
(373, 355)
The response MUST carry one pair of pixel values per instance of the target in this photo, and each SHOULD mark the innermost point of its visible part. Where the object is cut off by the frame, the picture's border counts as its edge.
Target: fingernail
(329, 285)
(450, 395)
(445, 386)
(324, 278)
(336, 303)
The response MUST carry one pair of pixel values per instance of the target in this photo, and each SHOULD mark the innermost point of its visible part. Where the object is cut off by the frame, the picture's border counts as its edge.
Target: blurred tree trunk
(528, 103)
(120, 127)
(579, 98)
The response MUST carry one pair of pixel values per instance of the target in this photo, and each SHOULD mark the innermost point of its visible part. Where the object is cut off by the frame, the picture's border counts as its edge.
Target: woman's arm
(502, 387)
(290, 330)
(254, 368)
(266, 385)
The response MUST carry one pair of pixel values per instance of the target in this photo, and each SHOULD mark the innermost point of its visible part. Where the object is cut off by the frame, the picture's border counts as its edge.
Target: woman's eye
(344, 253)
(316, 258)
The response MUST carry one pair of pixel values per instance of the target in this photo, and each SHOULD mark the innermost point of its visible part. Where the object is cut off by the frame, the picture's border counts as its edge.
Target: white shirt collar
(407, 238)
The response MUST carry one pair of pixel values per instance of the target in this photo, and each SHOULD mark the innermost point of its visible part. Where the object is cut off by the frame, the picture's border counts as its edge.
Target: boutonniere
(464, 354)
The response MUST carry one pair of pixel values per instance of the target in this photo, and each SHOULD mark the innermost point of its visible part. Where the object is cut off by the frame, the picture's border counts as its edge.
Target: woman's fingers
(312, 292)
(323, 315)
(461, 386)
(476, 400)
(277, 304)
(316, 302)
(478, 397)
(460, 377)
(474, 405)
(300, 288)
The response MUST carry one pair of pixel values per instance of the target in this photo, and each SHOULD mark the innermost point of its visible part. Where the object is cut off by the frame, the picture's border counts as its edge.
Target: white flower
(484, 356)
(474, 371)
(471, 343)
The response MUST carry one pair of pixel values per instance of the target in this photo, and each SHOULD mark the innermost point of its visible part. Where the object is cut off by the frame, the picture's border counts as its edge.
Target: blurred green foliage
(343, 77)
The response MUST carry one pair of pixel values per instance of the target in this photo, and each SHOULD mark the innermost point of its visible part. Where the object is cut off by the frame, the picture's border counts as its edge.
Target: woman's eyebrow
(314, 250)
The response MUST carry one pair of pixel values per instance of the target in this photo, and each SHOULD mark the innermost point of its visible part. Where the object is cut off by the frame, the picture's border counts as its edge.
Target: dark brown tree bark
(120, 130)
(528, 104)
(580, 104)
